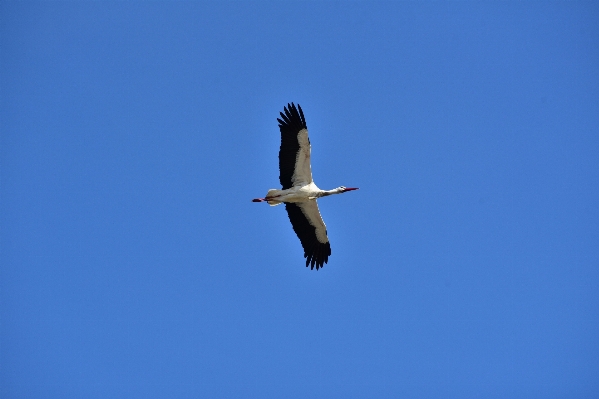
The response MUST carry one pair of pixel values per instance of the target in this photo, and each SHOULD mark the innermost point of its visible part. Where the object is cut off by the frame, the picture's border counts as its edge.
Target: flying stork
(299, 192)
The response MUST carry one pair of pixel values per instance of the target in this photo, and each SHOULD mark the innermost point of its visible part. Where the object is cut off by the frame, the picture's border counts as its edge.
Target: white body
(302, 193)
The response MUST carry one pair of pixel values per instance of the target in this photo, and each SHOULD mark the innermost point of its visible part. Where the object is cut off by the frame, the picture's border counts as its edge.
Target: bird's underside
(299, 192)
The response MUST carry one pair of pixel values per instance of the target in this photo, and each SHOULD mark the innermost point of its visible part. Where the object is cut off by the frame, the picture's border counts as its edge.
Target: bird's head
(344, 189)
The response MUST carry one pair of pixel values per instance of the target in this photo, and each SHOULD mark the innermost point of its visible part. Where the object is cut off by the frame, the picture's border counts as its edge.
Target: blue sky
(134, 135)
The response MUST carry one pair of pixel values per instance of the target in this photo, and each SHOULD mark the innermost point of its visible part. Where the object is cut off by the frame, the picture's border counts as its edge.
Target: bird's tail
(271, 195)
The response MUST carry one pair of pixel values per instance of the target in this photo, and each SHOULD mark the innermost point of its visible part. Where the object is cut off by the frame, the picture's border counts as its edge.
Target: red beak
(350, 189)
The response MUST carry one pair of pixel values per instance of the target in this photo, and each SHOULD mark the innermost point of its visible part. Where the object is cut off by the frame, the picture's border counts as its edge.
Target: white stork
(299, 192)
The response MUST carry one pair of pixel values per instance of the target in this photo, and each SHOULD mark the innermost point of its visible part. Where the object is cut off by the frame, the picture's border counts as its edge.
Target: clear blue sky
(134, 135)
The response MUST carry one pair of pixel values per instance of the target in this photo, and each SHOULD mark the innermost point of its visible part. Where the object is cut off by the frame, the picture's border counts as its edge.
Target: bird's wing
(311, 230)
(294, 155)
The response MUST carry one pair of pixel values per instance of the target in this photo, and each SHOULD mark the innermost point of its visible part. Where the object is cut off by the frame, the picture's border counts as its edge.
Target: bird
(299, 193)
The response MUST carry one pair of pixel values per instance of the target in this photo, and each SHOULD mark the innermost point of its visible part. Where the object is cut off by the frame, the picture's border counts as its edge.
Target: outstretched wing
(311, 230)
(294, 155)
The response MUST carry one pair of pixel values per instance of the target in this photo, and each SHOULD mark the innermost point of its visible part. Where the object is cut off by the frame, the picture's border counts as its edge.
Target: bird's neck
(325, 193)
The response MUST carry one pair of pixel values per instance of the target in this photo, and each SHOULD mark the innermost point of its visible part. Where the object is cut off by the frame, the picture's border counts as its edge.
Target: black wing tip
(319, 256)
(293, 117)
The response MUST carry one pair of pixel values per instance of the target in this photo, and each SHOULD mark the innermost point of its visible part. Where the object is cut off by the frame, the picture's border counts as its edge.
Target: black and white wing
(294, 155)
(311, 230)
